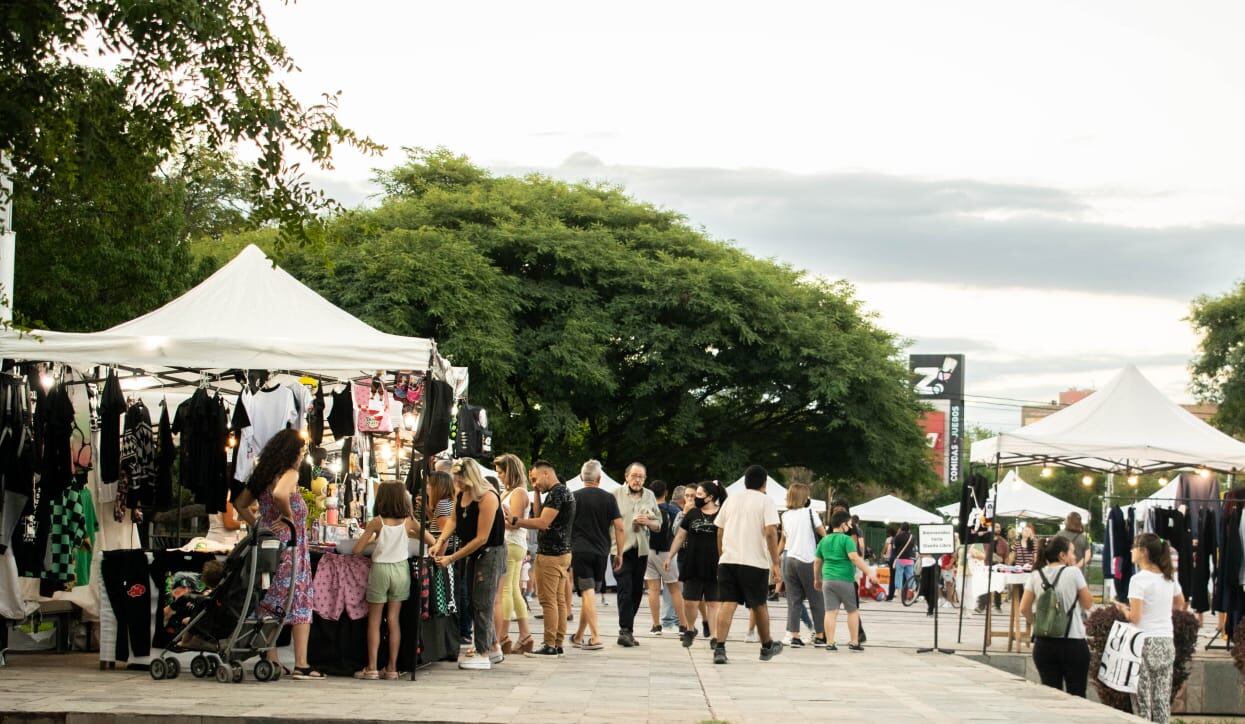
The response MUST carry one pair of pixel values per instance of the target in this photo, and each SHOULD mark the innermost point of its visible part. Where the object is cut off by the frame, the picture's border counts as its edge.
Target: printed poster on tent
(1121, 658)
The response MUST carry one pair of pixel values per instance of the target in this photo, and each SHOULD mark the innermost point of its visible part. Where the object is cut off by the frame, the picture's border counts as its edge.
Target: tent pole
(985, 639)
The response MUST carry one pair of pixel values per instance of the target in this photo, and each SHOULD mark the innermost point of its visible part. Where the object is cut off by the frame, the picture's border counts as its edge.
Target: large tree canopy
(595, 325)
(1219, 369)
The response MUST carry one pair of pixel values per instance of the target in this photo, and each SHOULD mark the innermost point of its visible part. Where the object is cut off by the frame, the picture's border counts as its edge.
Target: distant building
(1030, 414)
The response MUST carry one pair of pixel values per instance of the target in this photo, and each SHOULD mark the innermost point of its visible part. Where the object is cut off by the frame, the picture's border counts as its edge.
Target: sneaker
(786, 638)
(655, 631)
(545, 651)
(689, 635)
(476, 663)
(593, 646)
(794, 643)
(819, 642)
(831, 647)
(856, 647)
(676, 630)
(538, 615)
(752, 638)
(769, 652)
(626, 640)
(719, 655)
(496, 657)
(704, 626)
(561, 652)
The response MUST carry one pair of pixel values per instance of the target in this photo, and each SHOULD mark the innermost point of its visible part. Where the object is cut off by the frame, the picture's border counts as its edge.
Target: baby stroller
(227, 628)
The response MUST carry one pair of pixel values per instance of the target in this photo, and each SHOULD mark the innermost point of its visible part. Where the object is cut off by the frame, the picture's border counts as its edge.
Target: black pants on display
(630, 588)
(127, 580)
(1062, 663)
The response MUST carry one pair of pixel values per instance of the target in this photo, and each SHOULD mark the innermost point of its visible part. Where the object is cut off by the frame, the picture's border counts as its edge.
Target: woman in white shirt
(1153, 592)
(801, 530)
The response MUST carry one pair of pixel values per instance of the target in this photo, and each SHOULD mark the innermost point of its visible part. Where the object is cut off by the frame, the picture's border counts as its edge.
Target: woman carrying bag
(1060, 650)
(1153, 592)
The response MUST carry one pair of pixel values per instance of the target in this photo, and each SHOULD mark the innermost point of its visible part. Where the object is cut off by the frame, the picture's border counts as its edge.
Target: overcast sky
(1044, 189)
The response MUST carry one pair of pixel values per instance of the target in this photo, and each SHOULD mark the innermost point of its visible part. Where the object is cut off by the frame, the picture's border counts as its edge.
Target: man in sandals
(596, 515)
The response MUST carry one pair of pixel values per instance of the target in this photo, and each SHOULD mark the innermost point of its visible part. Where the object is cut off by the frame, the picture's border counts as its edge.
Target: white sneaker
(476, 663)
(672, 630)
(752, 638)
(786, 639)
(496, 657)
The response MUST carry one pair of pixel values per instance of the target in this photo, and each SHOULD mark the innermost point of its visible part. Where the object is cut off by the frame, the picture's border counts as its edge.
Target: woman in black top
(478, 518)
(698, 562)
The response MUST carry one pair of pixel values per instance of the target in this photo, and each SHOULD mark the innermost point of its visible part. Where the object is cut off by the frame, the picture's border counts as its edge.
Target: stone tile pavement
(659, 681)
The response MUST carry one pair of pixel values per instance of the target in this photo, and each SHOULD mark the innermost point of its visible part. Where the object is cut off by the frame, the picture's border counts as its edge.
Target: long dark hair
(283, 452)
(1158, 551)
(1050, 548)
(714, 490)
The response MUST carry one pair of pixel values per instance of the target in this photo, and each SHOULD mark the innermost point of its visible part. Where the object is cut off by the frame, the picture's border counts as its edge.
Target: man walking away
(596, 519)
(748, 543)
(639, 513)
(658, 576)
(553, 517)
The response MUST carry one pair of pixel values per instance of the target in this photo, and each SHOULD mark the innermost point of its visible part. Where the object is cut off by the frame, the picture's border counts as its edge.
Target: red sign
(934, 423)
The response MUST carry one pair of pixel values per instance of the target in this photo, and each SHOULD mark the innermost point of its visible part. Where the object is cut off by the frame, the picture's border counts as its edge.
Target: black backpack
(432, 431)
(474, 439)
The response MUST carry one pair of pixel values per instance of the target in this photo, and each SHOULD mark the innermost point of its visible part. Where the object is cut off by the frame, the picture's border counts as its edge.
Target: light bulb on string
(1203, 473)
(1133, 481)
(1047, 471)
(1087, 481)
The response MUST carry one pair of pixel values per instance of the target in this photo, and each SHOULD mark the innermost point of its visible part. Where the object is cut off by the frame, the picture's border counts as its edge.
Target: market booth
(1127, 428)
(169, 411)
(776, 492)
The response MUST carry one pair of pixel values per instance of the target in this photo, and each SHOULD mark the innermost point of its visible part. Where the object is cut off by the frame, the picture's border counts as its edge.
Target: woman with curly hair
(274, 483)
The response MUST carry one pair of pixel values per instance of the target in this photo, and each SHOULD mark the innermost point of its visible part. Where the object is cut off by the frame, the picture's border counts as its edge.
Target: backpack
(1051, 619)
(473, 439)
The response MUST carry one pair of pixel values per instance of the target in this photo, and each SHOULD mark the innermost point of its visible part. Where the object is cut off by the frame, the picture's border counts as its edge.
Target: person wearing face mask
(698, 564)
(638, 507)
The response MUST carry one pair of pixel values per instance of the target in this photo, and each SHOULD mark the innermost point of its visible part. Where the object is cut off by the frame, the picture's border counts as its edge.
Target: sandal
(367, 675)
(506, 646)
(390, 675)
(526, 644)
(306, 673)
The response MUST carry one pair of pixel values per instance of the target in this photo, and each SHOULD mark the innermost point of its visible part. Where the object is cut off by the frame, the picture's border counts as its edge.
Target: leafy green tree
(191, 73)
(1219, 368)
(597, 325)
(100, 234)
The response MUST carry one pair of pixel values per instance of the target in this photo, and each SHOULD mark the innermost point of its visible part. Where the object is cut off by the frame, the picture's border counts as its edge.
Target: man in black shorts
(596, 513)
(748, 540)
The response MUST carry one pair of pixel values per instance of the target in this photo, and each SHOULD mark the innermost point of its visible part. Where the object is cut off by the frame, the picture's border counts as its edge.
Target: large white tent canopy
(1018, 499)
(1128, 425)
(608, 484)
(889, 509)
(250, 314)
(775, 491)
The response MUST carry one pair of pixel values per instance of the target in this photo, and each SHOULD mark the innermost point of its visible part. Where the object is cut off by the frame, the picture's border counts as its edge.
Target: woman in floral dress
(274, 484)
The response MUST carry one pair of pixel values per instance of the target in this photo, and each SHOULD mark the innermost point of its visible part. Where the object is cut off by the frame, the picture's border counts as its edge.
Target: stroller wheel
(223, 675)
(199, 666)
(237, 672)
(264, 670)
(174, 667)
(158, 669)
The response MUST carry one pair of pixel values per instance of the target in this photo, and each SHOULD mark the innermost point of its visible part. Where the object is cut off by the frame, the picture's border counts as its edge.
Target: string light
(1047, 471)
(1087, 481)
(1133, 481)
(1203, 472)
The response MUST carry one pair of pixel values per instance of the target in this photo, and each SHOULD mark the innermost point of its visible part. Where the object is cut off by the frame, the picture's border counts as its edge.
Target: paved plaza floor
(660, 681)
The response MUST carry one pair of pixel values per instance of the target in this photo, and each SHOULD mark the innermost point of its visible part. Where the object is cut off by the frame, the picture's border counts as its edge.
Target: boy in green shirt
(834, 573)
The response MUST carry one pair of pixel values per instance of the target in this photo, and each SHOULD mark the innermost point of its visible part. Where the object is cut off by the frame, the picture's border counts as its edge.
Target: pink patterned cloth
(341, 585)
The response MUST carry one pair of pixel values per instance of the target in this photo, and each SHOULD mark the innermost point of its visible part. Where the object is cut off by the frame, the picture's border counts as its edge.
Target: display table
(339, 647)
(1014, 583)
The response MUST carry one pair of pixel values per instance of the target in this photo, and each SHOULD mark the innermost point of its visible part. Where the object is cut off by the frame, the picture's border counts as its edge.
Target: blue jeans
(903, 572)
(669, 618)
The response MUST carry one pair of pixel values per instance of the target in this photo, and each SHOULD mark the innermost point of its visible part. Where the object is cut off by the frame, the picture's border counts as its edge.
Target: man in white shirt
(748, 547)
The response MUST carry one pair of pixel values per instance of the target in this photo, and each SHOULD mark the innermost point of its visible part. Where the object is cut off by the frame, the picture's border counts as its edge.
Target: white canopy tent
(1017, 499)
(1127, 426)
(608, 484)
(250, 314)
(1164, 497)
(889, 509)
(775, 491)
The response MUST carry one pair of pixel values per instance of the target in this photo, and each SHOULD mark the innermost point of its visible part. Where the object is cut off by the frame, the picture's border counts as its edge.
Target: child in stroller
(188, 599)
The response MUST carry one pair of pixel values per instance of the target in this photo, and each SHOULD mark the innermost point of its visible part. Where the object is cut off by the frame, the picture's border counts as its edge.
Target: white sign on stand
(936, 539)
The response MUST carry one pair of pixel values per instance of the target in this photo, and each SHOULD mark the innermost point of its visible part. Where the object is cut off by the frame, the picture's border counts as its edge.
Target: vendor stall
(176, 406)
(776, 492)
(889, 509)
